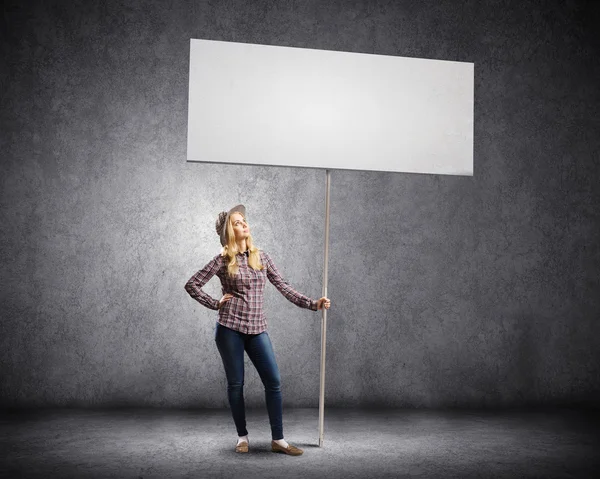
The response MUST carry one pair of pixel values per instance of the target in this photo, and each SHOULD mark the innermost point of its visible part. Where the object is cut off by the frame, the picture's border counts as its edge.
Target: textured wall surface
(446, 291)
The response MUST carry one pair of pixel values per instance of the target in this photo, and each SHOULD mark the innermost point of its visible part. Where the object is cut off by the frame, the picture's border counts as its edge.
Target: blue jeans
(231, 345)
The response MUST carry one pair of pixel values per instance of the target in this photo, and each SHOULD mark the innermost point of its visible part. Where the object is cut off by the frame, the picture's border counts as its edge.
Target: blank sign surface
(270, 105)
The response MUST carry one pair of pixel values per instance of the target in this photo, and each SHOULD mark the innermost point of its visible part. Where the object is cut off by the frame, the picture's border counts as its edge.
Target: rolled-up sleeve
(195, 283)
(284, 287)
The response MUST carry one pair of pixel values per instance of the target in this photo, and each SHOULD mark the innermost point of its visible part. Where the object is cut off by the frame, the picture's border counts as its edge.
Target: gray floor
(148, 443)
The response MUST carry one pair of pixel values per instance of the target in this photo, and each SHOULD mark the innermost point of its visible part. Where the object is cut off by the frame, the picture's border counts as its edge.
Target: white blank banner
(284, 106)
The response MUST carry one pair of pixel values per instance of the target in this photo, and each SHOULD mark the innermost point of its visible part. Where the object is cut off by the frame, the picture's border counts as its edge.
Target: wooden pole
(324, 317)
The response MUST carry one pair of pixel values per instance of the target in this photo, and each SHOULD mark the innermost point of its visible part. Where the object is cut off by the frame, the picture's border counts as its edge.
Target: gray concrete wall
(447, 291)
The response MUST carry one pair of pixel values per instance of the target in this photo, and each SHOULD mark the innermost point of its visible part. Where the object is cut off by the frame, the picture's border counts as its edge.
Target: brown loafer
(291, 450)
(242, 447)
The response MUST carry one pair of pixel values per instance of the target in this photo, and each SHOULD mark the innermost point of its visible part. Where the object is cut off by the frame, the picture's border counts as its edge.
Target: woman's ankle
(282, 442)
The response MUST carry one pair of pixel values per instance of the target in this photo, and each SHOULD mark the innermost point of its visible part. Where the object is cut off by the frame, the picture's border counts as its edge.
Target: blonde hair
(230, 250)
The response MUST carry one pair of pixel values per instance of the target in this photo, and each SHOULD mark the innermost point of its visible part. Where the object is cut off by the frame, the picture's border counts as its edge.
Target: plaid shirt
(244, 311)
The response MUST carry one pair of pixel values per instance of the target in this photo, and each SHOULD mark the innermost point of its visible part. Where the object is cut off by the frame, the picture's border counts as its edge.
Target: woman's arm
(284, 287)
(195, 283)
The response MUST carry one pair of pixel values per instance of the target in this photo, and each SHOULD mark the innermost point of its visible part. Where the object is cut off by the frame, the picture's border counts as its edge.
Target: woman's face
(240, 227)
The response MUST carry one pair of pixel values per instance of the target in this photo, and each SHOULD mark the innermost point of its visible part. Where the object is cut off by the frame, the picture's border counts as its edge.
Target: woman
(241, 326)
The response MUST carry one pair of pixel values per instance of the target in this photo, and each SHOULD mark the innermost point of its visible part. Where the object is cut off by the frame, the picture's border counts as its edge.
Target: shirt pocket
(260, 277)
(244, 280)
